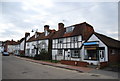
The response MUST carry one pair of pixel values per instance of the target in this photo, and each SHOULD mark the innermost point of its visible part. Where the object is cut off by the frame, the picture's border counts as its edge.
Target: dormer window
(69, 29)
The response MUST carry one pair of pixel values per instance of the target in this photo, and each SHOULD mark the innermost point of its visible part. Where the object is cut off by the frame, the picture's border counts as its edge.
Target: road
(15, 68)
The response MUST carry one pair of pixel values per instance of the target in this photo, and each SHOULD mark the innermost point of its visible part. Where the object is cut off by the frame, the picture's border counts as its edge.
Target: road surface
(15, 68)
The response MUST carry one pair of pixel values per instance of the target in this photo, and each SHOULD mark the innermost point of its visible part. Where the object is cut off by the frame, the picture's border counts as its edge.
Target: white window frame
(74, 39)
(60, 52)
(76, 55)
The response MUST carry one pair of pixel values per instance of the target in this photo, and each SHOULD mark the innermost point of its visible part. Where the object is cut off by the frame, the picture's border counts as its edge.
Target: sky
(18, 17)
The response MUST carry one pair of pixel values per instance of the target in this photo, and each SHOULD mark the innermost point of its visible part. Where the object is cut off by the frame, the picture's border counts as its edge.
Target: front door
(101, 55)
(66, 55)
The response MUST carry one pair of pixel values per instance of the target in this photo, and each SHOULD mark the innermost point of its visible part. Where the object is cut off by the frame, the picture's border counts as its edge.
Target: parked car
(5, 54)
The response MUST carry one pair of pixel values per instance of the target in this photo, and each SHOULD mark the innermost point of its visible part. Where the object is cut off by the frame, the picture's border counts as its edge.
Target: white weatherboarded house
(100, 48)
(40, 41)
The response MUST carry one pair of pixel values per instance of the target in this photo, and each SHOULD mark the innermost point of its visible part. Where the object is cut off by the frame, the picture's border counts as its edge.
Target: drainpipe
(98, 60)
(37, 48)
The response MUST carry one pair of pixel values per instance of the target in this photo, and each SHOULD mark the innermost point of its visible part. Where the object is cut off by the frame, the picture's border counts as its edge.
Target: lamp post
(35, 46)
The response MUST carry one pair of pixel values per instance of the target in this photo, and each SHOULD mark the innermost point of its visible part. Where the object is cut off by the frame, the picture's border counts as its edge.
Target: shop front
(93, 54)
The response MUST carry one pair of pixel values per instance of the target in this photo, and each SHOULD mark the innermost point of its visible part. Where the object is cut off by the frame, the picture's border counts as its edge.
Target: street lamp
(34, 30)
(35, 46)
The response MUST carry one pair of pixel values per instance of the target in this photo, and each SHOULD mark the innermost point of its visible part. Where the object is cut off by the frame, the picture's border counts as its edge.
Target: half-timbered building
(67, 41)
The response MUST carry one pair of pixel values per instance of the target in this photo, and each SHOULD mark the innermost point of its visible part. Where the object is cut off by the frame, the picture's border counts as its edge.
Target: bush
(22, 54)
(37, 57)
(42, 56)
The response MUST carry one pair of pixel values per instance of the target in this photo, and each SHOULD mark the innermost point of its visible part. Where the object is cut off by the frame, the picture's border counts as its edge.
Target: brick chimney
(27, 34)
(60, 26)
(26, 38)
(46, 28)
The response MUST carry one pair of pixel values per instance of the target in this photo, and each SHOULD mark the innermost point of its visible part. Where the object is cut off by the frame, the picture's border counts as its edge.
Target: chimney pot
(60, 26)
(46, 27)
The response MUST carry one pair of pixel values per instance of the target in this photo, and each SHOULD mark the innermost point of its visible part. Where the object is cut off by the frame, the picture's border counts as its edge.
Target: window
(59, 52)
(101, 52)
(15, 51)
(69, 29)
(60, 40)
(33, 50)
(54, 41)
(27, 44)
(64, 40)
(43, 46)
(28, 51)
(113, 51)
(33, 44)
(74, 39)
(91, 55)
(75, 53)
(68, 39)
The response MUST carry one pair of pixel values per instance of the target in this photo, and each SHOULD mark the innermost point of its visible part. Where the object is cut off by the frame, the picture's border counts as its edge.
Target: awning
(90, 43)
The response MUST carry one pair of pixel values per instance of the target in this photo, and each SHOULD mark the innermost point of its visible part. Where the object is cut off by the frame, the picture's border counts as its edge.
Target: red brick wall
(74, 63)
(113, 58)
(88, 31)
(82, 64)
(103, 64)
(68, 62)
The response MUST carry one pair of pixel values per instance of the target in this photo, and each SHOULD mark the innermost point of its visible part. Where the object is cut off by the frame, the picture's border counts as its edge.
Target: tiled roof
(21, 39)
(83, 29)
(110, 42)
(49, 36)
(31, 39)
(38, 33)
(12, 42)
(41, 36)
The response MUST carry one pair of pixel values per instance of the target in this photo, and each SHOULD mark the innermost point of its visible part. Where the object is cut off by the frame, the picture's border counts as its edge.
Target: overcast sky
(20, 17)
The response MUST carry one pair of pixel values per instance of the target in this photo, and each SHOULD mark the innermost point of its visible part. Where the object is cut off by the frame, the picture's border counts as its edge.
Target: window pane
(91, 54)
(59, 52)
(75, 53)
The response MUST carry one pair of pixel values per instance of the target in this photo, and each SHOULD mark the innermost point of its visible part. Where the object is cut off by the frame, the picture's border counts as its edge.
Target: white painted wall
(22, 45)
(58, 57)
(64, 40)
(11, 48)
(76, 59)
(27, 38)
(68, 39)
(17, 48)
(42, 46)
(1, 49)
(30, 45)
(79, 38)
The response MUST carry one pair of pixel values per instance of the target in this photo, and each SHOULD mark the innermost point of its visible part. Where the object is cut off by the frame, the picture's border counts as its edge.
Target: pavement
(76, 68)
